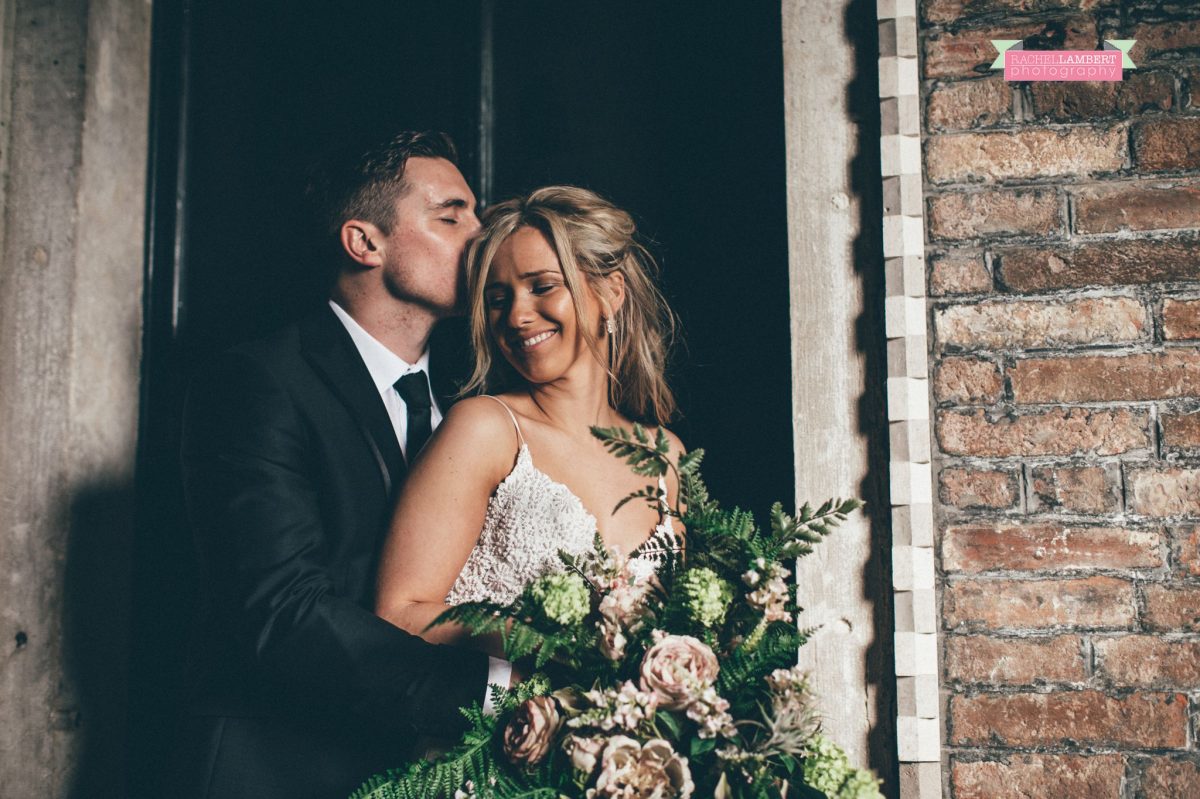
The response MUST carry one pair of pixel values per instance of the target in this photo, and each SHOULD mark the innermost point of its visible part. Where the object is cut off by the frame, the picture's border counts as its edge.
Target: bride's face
(530, 312)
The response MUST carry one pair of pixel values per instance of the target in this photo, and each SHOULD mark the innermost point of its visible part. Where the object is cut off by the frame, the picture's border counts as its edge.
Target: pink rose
(584, 752)
(530, 731)
(631, 769)
(676, 668)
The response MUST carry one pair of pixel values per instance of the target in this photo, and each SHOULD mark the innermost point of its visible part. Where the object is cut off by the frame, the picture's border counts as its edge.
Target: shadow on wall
(96, 626)
(862, 101)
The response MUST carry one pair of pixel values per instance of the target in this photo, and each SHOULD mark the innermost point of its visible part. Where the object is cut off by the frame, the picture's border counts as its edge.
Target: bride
(569, 331)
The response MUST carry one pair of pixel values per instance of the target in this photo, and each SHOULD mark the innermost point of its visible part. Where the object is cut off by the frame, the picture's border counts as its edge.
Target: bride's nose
(520, 312)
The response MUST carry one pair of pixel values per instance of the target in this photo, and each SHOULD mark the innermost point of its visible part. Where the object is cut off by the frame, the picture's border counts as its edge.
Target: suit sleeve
(249, 473)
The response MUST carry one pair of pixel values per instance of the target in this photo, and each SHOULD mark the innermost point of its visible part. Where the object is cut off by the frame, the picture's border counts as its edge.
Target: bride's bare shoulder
(479, 422)
(677, 447)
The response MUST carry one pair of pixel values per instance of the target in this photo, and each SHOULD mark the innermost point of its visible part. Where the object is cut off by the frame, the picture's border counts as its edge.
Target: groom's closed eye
(455, 206)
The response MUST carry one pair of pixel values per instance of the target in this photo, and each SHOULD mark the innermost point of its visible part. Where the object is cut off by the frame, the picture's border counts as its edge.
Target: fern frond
(478, 617)
(469, 761)
(644, 458)
(520, 640)
(793, 537)
(689, 462)
(746, 666)
(650, 494)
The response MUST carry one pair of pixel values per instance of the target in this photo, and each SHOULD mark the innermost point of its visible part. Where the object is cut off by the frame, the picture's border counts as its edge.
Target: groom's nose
(471, 222)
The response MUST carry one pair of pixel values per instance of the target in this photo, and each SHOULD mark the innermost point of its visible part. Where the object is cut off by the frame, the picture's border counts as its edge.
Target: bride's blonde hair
(593, 240)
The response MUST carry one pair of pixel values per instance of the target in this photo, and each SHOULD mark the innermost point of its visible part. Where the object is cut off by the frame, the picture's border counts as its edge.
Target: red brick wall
(1063, 222)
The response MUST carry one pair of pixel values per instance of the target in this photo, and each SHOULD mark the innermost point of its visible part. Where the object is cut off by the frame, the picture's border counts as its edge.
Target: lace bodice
(529, 519)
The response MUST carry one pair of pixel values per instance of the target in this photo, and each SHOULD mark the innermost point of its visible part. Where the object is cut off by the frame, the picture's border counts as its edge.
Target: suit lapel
(331, 351)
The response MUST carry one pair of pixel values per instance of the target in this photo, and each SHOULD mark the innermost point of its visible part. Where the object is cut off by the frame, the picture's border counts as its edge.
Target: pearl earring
(610, 326)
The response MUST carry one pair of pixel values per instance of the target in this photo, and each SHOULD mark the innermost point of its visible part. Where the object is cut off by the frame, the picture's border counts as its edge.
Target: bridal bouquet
(675, 681)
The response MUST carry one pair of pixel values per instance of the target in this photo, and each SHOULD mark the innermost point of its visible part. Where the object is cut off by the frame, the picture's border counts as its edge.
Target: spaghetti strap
(663, 504)
(511, 415)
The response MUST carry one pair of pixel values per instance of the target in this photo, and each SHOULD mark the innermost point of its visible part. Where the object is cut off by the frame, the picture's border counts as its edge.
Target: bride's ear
(616, 291)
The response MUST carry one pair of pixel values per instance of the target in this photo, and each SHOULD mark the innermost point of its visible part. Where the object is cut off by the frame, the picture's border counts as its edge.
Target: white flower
(623, 609)
(770, 592)
(625, 708)
(711, 712)
(612, 640)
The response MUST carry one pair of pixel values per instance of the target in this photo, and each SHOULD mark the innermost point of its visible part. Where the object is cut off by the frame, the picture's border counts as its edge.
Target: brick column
(1063, 222)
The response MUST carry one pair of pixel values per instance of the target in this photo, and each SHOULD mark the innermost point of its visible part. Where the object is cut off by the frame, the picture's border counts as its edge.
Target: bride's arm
(438, 518)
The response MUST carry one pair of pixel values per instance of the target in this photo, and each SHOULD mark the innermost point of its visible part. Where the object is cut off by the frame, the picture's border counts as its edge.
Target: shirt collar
(385, 366)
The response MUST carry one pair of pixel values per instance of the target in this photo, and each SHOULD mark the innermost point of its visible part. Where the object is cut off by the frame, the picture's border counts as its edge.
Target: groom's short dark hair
(365, 181)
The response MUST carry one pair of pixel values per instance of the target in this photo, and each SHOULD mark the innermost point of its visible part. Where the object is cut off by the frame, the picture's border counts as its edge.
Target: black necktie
(414, 390)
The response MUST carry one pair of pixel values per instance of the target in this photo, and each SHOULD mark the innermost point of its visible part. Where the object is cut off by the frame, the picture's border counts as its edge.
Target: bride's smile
(531, 313)
(533, 341)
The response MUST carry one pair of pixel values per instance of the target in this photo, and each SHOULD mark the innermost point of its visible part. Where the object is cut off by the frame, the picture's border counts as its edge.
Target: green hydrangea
(563, 597)
(860, 785)
(828, 770)
(708, 596)
(826, 767)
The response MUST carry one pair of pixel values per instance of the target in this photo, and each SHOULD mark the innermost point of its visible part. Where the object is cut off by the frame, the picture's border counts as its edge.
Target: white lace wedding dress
(530, 518)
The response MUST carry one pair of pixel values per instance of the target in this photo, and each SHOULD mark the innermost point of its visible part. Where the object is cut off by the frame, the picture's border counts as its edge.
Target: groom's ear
(361, 241)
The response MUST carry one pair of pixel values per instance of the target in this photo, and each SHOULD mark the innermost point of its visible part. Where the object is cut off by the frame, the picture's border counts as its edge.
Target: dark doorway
(675, 111)
(672, 110)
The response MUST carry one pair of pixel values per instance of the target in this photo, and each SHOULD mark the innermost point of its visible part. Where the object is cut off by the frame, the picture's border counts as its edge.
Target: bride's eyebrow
(524, 276)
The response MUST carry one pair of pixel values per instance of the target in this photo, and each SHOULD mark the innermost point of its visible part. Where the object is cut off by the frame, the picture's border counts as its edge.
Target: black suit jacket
(291, 467)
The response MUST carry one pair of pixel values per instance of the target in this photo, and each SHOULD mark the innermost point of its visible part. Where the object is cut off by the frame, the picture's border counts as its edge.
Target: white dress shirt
(385, 368)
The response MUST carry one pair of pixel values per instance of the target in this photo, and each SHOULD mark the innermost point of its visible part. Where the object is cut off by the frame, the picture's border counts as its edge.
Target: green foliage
(794, 537)
(481, 617)
(827, 769)
(646, 459)
(519, 634)
(508, 787)
(562, 598)
(471, 760)
(653, 460)
(742, 672)
(505, 700)
(706, 595)
(721, 539)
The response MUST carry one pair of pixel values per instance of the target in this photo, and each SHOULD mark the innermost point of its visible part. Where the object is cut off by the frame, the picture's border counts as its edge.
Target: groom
(294, 447)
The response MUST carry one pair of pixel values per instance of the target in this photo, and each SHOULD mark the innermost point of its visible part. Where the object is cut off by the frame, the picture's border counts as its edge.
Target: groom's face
(435, 220)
